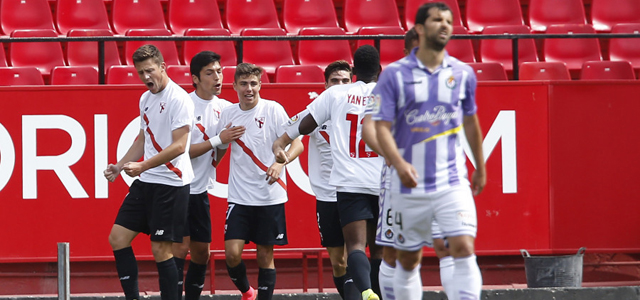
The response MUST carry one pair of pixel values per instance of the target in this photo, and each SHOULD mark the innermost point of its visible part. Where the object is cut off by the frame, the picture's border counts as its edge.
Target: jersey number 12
(361, 152)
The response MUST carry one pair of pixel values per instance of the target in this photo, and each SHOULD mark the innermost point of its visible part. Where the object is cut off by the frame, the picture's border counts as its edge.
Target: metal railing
(241, 39)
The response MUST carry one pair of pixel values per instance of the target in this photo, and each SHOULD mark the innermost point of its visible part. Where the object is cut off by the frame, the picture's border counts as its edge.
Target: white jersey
(356, 168)
(319, 159)
(207, 115)
(160, 115)
(251, 154)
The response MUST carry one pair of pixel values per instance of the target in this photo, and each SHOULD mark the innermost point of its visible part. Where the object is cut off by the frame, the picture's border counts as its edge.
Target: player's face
(248, 89)
(152, 75)
(210, 82)
(437, 29)
(337, 78)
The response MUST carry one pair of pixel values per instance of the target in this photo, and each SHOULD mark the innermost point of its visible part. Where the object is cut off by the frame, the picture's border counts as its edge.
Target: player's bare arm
(296, 148)
(473, 134)
(369, 135)
(180, 137)
(307, 125)
(278, 148)
(407, 173)
(135, 152)
(227, 135)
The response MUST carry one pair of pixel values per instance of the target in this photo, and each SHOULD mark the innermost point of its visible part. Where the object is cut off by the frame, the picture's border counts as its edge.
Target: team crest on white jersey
(217, 113)
(162, 105)
(451, 82)
(259, 121)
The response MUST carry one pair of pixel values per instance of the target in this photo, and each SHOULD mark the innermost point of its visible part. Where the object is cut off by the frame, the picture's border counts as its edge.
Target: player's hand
(478, 181)
(273, 173)
(408, 174)
(111, 172)
(231, 133)
(133, 169)
(281, 156)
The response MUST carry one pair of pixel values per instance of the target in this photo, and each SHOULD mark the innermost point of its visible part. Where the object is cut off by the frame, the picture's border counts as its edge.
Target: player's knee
(461, 247)
(117, 241)
(232, 259)
(200, 256)
(180, 250)
(409, 260)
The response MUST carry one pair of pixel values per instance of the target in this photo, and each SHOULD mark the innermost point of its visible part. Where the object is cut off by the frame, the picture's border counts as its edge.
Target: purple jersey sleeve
(469, 106)
(385, 96)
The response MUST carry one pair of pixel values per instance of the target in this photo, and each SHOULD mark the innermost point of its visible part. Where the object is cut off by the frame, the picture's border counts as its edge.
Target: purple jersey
(426, 111)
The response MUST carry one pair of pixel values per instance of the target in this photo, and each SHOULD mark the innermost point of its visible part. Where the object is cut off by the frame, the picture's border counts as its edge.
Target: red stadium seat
(42, 55)
(3, 56)
(482, 13)
(123, 75)
(298, 74)
(243, 14)
(167, 48)
(267, 54)
(137, 14)
(411, 8)
(544, 71)
(390, 50)
(461, 49)
(310, 13)
(230, 72)
(363, 13)
(489, 71)
(179, 74)
(500, 51)
(185, 14)
(86, 53)
(323, 52)
(607, 70)
(62, 75)
(573, 52)
(81, 14)
(226, 49)
(20, 76)
(626, 49)
(606, 13)
(21, 14)
(543, 13)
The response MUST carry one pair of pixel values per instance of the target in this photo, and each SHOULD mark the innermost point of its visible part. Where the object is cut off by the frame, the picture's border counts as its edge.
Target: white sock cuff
(402, 273)
(466, 262)
(386, 269)
(446, 261)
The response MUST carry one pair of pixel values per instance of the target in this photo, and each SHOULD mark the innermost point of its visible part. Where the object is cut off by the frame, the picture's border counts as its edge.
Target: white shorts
(384, 230)
(454, 210)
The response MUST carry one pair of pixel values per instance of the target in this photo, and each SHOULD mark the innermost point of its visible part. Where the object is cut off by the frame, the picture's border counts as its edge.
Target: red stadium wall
(561, 169)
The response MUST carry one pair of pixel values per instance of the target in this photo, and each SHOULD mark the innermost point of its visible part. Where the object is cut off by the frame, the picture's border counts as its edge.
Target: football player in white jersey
(206, 73)
(319, 156)
(257, 187)
(385, 233)
(424, 103)
(356, 170)
(157, 201)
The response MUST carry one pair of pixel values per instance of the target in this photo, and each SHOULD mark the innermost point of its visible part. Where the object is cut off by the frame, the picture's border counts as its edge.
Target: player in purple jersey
(423, 104)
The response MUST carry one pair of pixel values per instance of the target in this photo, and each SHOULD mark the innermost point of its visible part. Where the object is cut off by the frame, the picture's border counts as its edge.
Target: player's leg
(456, 217)
(236, 233)
(446, 260)
(375, 253)
(407, 283)
(131, 220)
(332, 239)
(167, 220)
(180, 251)
(270, 229)
(387, 271)
(200, 232)
(355, 209)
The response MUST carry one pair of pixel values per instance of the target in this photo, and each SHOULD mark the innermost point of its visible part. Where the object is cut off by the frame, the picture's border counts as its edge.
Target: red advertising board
(55, 142)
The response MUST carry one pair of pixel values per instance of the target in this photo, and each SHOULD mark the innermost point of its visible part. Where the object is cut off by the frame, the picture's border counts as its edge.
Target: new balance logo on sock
(264, 288)
(280, 236)
(124, 277)
(159, 232)
(198, 285)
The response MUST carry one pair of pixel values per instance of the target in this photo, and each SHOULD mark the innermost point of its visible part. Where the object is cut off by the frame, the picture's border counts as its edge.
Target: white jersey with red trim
(160, 115)
(251, 154)
(207, 115)
(319, 158)
(356, 168)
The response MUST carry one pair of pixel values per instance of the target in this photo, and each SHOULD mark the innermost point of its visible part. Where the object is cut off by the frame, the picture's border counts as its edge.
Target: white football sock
(446, 274)
(385, 277)
(467, 279)
(407, 285)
